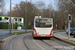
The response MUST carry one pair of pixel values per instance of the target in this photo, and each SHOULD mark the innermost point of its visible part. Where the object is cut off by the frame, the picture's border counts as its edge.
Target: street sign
(13, 21)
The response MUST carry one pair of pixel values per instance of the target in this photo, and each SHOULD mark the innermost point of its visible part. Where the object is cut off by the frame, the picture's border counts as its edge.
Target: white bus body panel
(43, 31)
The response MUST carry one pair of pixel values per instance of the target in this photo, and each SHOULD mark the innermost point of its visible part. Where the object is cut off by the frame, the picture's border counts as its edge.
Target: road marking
(38, 45)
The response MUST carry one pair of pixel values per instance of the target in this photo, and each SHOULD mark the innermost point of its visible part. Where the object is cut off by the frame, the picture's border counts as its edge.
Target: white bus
(43, 27)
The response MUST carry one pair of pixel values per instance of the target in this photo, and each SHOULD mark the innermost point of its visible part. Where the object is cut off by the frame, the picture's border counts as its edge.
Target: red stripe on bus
(35, 31)
(51, 32)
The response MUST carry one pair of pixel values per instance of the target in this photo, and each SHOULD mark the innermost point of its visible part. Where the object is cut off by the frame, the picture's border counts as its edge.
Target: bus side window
(20, 20)
(38, 25)
(0, 18)
(15, 19)
(6, 18)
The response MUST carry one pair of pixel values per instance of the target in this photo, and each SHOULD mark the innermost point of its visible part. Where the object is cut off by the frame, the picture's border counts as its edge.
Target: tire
(50, 38)
(34, 37)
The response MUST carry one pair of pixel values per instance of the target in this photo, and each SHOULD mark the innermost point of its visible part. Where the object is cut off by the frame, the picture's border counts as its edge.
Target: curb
(22, 33)
(64, 41)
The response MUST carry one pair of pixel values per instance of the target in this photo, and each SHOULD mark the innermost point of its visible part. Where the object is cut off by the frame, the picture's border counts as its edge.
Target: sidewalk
(63, 35)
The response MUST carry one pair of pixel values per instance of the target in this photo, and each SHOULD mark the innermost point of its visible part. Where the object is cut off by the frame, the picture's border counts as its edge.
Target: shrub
(7, 26)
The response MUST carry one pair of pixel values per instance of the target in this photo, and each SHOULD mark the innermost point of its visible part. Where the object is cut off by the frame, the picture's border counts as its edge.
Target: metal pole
(10, 16)
(54, 20)
(12, 27)
(26, 16)
(49, 13)
(18, 15)
(68, 30)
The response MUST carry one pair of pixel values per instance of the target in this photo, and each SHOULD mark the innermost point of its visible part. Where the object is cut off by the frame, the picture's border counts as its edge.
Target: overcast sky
(7, 3)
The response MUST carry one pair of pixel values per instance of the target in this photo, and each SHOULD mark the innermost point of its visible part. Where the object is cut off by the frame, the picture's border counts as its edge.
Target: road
(8, 31)
(26, 42)
(4, 35)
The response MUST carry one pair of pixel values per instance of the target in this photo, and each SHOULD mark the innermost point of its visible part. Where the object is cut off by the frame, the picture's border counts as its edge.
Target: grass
(70, 40)
(19, 32)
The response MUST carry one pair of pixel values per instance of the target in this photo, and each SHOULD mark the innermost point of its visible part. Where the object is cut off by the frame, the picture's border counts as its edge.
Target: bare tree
(73, 1)
(65, 7)
(50, 7)
(41, 6)
(2, 7)
(31, 11)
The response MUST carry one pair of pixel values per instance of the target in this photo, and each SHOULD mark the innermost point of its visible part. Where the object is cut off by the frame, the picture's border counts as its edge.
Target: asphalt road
(4, 35)
(8, 31)
(26, 42)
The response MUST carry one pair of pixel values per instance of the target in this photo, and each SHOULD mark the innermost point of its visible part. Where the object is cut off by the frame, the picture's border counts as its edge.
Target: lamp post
(10, 16)
(18, 14)
(26, 16)
(54, 19)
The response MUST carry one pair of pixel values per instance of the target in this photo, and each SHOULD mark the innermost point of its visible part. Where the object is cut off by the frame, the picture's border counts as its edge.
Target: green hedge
(7, 26)
(4, 25)
(28, 27)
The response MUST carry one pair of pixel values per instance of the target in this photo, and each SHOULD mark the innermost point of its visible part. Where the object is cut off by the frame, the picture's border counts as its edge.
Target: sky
(7, 3)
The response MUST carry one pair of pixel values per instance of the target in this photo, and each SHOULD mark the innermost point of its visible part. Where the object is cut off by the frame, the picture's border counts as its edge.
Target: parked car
(71, 31)
(74, 34)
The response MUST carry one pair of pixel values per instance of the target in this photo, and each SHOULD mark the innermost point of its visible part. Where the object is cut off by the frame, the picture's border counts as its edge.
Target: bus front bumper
(43, 35)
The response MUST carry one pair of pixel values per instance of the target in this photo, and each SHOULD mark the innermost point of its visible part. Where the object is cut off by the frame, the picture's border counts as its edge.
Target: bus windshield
(43, 22)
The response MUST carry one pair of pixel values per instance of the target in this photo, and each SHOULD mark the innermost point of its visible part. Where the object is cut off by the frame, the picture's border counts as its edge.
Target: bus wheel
(33, 37)
(50, 38)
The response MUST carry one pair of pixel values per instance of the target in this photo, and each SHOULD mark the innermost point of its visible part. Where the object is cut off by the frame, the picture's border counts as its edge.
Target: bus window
(0, 18)
(20, 20)
(6, 18)
(43, 23)
(15, 19)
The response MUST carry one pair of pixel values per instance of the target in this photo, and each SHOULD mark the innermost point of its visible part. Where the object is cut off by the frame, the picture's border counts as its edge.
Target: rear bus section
(43, 27)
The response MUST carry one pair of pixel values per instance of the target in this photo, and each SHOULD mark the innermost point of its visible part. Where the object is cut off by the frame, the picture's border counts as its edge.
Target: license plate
(43, 35)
